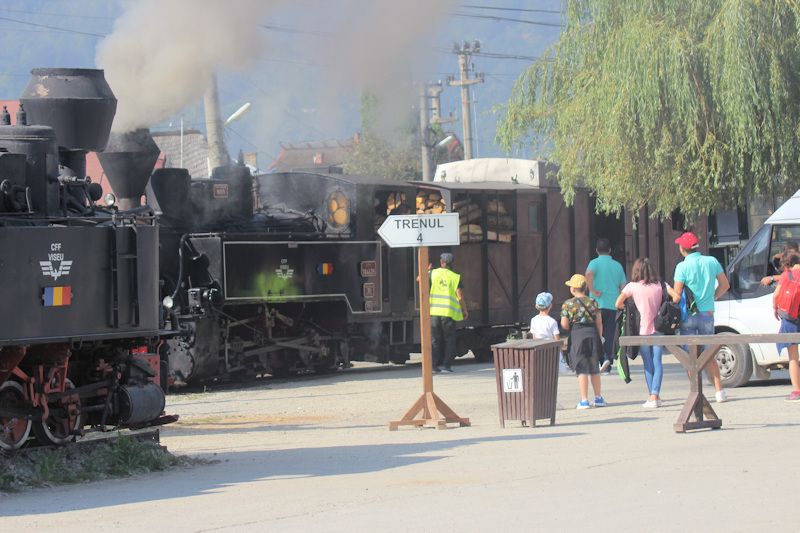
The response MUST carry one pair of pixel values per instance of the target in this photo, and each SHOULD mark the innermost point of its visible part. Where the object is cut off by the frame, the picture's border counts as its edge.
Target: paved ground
(315, 455)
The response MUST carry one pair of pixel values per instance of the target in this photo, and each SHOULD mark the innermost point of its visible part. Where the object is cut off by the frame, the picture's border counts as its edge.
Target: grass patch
(79, 463)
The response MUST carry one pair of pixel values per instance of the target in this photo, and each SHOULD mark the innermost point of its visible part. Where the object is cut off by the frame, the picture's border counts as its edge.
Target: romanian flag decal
(57, 296)
(326, 269)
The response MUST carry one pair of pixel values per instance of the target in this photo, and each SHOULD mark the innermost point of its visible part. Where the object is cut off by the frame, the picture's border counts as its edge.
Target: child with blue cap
(543, 326)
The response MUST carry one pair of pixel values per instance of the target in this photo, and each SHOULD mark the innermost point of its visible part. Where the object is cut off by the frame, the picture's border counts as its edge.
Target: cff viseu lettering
(418, 223)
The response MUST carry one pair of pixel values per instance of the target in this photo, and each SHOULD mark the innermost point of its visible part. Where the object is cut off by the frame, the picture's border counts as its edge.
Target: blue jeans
(699, 324)
(653, 369)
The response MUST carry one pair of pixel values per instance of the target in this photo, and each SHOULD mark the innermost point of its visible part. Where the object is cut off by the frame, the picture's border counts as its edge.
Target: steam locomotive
(284, 273)
(81, 319)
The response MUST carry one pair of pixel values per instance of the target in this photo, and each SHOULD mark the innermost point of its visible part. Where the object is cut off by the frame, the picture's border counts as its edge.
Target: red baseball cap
(688, 240)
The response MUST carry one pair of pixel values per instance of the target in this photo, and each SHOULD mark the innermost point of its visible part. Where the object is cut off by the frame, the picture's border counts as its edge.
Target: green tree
(374, 155)
(681, 104)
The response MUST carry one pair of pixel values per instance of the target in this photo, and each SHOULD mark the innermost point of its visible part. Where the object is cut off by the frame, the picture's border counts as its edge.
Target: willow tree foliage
(688, 104)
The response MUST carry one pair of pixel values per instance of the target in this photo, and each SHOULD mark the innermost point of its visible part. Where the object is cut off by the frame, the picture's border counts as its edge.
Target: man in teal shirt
(605, 278)
(703, 275)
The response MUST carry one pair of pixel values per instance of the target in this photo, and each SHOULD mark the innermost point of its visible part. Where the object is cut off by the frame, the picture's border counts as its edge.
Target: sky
(301, 64)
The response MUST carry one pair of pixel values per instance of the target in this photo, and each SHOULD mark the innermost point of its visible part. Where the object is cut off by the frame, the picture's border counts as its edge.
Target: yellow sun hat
(576, 281)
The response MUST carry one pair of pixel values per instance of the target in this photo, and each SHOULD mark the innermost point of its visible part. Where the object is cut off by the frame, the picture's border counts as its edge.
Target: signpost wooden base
(429, 410)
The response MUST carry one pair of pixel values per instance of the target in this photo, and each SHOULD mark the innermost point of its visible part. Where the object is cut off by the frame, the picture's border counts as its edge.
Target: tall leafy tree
(680, 104)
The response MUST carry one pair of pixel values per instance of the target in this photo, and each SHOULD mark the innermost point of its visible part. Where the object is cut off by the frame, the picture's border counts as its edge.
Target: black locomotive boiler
(259, 288)
(80, 320)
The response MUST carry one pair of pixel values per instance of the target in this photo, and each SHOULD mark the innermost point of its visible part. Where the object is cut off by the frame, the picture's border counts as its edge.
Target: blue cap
(544, 300)
(447, 258)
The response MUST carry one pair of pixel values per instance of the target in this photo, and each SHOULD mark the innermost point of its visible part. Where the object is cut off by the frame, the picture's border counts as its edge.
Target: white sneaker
(651, 404)
(721, 396)
(605, 366)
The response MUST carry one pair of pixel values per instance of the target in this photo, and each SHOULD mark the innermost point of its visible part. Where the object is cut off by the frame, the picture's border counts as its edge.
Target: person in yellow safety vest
(447, 307)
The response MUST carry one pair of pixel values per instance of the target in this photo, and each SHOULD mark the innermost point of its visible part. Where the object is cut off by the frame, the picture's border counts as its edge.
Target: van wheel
(735, 365)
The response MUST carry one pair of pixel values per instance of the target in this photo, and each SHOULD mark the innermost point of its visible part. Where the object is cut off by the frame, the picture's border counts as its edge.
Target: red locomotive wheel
(13, 431)
(58, 429)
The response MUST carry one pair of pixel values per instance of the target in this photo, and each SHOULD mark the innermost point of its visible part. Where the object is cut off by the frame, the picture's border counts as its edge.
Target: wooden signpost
(421, 231)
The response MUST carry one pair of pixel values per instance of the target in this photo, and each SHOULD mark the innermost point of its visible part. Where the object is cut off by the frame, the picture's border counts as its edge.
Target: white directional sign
(404, 231)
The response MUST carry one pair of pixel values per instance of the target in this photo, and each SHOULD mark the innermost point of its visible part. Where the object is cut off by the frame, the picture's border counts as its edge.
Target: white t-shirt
(544, 327)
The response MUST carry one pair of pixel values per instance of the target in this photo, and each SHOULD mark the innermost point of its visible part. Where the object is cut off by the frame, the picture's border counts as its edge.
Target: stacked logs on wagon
(396, 203)
(499, 225)
(430, 203)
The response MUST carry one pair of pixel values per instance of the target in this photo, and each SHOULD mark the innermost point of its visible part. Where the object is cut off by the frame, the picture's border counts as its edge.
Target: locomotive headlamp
(168, 302)
(338, 207)
(111, 199)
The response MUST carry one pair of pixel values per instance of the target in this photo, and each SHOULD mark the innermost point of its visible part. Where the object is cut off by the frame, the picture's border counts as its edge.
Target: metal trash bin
(527, 380)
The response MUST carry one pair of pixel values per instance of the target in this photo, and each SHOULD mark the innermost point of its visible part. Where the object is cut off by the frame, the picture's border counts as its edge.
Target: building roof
(311, 155)
(195, 151)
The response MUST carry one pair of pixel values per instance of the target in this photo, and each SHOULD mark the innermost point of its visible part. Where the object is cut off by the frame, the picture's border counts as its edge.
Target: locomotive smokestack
(128, 161)
(76, 102)
(217, 152)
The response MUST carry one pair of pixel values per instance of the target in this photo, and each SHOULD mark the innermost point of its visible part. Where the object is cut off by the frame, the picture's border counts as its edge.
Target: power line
(81, 16)
(507, 19)
(492, 55)
(525, 10)
(285, 29)
(54, 28)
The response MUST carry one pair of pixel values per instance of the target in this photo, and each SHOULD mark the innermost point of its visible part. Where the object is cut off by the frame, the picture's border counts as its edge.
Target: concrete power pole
(425, 134)
(217, 152)
(465, 52)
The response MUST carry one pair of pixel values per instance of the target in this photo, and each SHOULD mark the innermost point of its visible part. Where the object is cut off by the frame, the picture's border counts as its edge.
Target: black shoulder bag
(668, 318)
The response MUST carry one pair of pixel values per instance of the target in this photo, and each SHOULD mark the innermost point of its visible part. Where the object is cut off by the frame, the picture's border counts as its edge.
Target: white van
(747, 308)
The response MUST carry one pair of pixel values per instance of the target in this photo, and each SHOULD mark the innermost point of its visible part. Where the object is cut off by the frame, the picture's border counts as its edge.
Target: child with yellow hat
(580, 315)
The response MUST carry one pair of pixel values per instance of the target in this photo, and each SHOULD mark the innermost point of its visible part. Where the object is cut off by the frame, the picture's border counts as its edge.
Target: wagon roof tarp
(788, 212)
(497, 169)
(480, 186)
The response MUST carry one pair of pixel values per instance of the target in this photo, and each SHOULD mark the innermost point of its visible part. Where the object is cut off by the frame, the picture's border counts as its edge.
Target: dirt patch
(246, 421)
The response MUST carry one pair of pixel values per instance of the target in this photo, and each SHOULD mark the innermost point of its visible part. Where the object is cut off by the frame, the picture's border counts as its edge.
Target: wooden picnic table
(686, 349)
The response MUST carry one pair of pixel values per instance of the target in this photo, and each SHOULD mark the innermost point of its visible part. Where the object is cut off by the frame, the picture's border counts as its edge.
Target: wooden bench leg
(696, 404)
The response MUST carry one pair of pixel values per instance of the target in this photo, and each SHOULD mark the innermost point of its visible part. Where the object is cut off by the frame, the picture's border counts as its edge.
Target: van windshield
(752, 263)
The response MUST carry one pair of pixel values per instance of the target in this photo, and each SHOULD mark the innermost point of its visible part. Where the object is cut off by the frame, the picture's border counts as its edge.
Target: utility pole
(217, 152)
(465, 52)
(425, 134)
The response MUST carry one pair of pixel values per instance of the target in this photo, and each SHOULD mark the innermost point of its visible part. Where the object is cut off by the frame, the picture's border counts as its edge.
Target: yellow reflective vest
(444, 301)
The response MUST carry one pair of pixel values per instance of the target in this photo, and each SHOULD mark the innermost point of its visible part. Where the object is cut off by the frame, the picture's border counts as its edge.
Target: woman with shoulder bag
(580, 315)
(648, 293)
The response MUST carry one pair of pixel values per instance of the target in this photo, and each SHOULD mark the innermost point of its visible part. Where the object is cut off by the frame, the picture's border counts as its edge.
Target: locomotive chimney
(78, 104)
(128, 161)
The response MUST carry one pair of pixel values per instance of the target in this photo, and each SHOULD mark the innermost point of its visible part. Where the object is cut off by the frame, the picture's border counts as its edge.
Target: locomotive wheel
(57, 430)
(13, 431)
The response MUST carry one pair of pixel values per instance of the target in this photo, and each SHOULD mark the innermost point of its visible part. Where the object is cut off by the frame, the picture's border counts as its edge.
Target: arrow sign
(405, 231)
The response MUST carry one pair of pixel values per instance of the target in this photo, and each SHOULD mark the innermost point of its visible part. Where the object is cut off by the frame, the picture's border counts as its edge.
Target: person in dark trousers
(447, 308)
(605, 278)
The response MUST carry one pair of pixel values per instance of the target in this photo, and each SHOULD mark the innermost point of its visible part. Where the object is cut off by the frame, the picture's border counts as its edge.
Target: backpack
(788, 300)
(668, 317)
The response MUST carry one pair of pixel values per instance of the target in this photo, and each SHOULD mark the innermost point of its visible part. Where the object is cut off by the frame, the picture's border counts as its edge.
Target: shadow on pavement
(242, 467)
